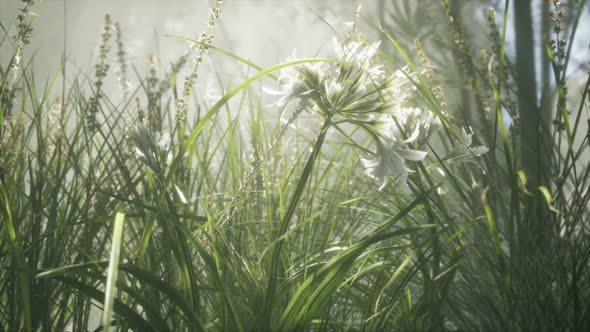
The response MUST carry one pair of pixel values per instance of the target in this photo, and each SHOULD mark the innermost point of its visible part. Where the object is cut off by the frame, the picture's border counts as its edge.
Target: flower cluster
(349, 88)
(356, 89)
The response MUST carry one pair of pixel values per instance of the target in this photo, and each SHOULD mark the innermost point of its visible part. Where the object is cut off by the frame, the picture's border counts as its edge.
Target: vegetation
(384, 197)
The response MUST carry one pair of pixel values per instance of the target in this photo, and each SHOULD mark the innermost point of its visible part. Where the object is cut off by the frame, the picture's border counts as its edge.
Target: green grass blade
(113, 269)
(16, 247)
(222, 51)
(192, 137)
(315, 291)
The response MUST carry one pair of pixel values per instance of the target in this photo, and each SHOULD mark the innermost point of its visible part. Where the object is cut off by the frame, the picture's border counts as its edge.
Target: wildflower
(299, 82)
(396, 132)
(464, 151)
(415, 120)
(100, 74)
(122, 70)
(476, 150)
(21, 39)
(389, 162)
(356, 89)
(351, 26)
(349, 88)
(356, 53)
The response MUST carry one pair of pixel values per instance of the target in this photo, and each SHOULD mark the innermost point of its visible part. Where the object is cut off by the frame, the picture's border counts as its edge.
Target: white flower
(476, 150)
(386, 165)
(393, 146)
(404, 121)
(295, 81)
(348, 86)
(333, 89)
(464, 151)
(355, 52)
(362, 57)
(389, 163)
(397, 130)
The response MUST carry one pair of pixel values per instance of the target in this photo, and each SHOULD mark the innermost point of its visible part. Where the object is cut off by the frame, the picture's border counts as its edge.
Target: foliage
(403, 212)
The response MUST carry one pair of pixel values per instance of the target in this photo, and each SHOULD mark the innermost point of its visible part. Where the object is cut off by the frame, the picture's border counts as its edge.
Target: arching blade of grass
(286, 220)
(113, 269)
(313, 293)
(145, 278)
(421, 84)
(222, 51)
(316, 290)
(132, 318)
(191, 139)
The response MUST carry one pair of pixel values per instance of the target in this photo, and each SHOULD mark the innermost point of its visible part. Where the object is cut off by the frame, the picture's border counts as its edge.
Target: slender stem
(305, 176)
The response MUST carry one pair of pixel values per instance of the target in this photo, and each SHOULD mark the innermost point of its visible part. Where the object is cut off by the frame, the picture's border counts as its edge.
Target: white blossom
(397, 131)
(467, 141)
(357, 89)
(356, 52)
(294, 84)
(363, 58)
(464, 151)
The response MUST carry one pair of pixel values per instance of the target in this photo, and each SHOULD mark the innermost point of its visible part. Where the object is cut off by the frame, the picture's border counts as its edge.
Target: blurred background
(263, 31)
(268, 32)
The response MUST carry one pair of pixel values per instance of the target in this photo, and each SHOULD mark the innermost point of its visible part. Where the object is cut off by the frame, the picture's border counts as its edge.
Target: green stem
(305, 176)
(530, 118)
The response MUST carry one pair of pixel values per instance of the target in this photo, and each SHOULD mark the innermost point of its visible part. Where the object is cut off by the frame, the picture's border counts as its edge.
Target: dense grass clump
(381, 197)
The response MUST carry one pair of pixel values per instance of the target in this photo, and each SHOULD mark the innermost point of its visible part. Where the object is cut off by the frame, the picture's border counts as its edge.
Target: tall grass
(233, 224)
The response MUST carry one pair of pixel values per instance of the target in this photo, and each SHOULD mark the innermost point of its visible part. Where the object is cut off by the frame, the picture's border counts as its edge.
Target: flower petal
(479, 150)
(409, 154)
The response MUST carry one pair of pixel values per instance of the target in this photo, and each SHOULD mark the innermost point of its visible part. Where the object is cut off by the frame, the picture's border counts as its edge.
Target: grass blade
(113, 269)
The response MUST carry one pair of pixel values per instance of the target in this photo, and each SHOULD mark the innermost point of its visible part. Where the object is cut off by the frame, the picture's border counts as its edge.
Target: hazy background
(266, 32)
(263, 31)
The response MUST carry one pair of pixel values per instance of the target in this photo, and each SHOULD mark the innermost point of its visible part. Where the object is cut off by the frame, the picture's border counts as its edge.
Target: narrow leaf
(113, 269)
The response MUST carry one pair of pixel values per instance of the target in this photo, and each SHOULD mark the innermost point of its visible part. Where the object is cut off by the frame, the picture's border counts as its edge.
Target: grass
(158, 212)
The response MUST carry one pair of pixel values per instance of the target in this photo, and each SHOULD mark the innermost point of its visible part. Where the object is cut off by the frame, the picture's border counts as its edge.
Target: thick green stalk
(530, 115)
(535, 145)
